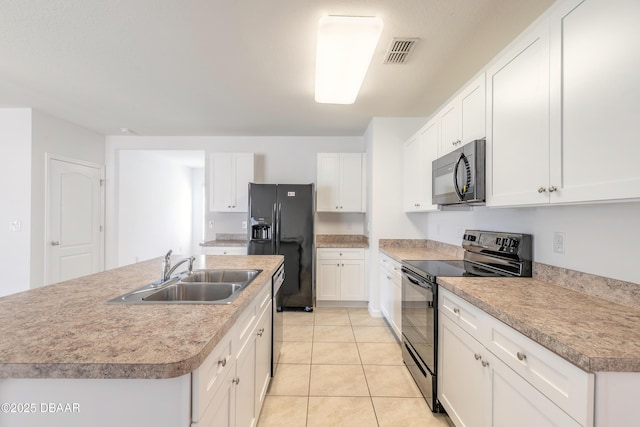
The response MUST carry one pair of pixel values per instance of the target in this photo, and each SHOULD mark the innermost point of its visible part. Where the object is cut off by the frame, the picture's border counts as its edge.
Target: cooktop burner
(430, 269)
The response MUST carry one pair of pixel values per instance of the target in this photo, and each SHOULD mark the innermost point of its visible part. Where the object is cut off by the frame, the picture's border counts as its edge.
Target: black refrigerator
(281, 222)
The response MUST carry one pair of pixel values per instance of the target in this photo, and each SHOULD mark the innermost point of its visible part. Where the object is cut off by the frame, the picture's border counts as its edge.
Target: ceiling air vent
(399, 51)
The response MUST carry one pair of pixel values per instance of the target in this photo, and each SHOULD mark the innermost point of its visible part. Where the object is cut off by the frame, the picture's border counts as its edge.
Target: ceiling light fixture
(345, 47)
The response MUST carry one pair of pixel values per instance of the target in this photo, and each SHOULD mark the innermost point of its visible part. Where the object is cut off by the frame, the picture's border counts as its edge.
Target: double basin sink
(199, 287)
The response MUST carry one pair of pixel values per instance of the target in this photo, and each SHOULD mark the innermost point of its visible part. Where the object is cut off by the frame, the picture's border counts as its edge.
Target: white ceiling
(235, 67)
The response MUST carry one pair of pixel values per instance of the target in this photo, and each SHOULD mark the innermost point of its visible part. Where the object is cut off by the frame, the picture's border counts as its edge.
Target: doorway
(74, 243)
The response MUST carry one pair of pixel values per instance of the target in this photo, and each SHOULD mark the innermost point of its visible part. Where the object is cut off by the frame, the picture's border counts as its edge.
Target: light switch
(15, 225)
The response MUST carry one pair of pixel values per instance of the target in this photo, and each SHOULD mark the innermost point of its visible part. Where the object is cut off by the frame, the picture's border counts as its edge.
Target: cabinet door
(472, 110)
(411, 175)
(396, 320)
(518, 119)
(595, 63)
(221, 411)
(352, 280)
(328, 182)
(246, 385)
(515, 402)
(328, 280)
(386, 293)
(428, 141)
(461, 377)
(243, 173)
(450, 137)
(263, 357)
(351, 183)
(220, 182)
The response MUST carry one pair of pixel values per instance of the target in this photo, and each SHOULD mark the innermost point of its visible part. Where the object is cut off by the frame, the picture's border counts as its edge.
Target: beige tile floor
(342, 367)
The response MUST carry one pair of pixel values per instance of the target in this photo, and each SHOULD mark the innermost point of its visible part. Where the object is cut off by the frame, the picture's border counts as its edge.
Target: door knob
(55, 243)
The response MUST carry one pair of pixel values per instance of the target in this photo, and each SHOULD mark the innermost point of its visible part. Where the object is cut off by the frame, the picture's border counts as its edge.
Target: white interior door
(74, 221)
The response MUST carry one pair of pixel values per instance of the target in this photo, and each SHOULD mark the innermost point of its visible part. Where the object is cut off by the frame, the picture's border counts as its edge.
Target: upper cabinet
(418, 154)
(595, 100)
(562, 106)
(340, 186)
(463, 119)
(229, 178)
(518, 121)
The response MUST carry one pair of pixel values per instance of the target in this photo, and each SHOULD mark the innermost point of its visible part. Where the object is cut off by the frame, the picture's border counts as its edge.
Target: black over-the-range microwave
(459, 176)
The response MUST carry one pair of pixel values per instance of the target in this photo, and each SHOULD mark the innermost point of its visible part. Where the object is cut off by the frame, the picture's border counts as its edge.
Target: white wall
(197, 205)
(15, 203)
(289, 160)
(154, 206)
(385, 219)
(54, 136)
(600, 239)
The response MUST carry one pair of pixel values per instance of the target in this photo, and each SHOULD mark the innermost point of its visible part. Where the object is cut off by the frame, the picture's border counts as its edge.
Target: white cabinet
(391, 293)
(340, 274)
(562, 108)
(491, 375)
(463, 119)
(224, 250)
(229, 387)
(229, 178)
(418, 154)
(340, 182)
(518, 122)
(595, 63)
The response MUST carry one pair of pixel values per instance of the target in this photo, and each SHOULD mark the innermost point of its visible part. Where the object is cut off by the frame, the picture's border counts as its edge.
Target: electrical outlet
(210, 224)
(15, 225)
(244, 225)
(558, 242)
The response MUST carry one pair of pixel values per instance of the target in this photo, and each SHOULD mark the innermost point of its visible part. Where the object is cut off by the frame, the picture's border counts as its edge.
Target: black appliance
(487, 254)
(281, 223)
(459, 176)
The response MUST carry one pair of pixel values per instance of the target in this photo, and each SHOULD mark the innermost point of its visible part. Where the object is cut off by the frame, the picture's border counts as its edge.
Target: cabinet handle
(521, 356)
(553, 188)
(542, 190)
(236, 380)
(260, 332)
(453, 143)
(388, 278)
(341, 207)
(485, 363)
(477, 356)
(55, 243)
(343, 265)
(456, 310)
(223, 362)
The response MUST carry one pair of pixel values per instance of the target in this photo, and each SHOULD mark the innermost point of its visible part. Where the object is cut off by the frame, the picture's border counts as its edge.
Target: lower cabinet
(497, 377)
(230, 386)
(224, 250)
(391, 293)
(340, 274)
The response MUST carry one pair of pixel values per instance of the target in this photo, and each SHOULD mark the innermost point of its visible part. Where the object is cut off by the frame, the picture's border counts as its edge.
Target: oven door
(418, 317)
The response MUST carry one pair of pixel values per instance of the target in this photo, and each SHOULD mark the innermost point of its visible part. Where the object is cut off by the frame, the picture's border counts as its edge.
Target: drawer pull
(477, 356)
(260, 332)
(521, 356)
(236, 380)
(456, 310)
(485, 363)
(223, 362)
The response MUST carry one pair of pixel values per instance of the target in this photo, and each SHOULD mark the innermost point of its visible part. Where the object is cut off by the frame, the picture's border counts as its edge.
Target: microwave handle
(456, 185)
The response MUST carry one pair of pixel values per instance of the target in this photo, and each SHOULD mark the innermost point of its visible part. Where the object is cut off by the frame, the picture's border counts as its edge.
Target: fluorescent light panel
(345, 47)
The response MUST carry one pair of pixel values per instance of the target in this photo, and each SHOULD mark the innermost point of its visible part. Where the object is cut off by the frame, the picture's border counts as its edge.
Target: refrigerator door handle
(278, 219)
(274, 231)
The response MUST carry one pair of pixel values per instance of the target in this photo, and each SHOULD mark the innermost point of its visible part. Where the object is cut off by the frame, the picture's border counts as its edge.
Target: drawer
(391, 265)
(340, 253)
(465, 315)
(208, 377)
(568, 386)
(224, 250)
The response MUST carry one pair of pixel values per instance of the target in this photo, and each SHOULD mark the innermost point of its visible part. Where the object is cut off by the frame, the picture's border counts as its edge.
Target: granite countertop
(69, 330)
(590, 332)
(341, 241)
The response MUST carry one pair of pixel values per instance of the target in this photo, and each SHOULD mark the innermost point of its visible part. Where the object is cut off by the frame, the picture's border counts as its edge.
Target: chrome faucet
(167, 269)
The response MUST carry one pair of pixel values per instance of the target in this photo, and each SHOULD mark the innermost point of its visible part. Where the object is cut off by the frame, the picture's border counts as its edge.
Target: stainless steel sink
(200, 287)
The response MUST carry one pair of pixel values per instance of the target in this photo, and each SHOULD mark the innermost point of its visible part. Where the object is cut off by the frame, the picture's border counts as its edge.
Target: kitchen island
(115, 364)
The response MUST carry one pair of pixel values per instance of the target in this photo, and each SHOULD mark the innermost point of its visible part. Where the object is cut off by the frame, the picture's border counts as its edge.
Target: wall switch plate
(210, 223)
(558, 242)
(244, 225)
(15, 225)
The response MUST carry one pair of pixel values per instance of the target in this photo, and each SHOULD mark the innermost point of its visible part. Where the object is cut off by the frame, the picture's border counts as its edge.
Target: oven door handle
(423, 285)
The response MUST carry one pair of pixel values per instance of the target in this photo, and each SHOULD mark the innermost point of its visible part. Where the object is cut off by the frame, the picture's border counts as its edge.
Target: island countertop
(70, 330)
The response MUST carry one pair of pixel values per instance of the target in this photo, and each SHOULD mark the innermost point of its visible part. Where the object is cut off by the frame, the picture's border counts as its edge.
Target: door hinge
(101, 182)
